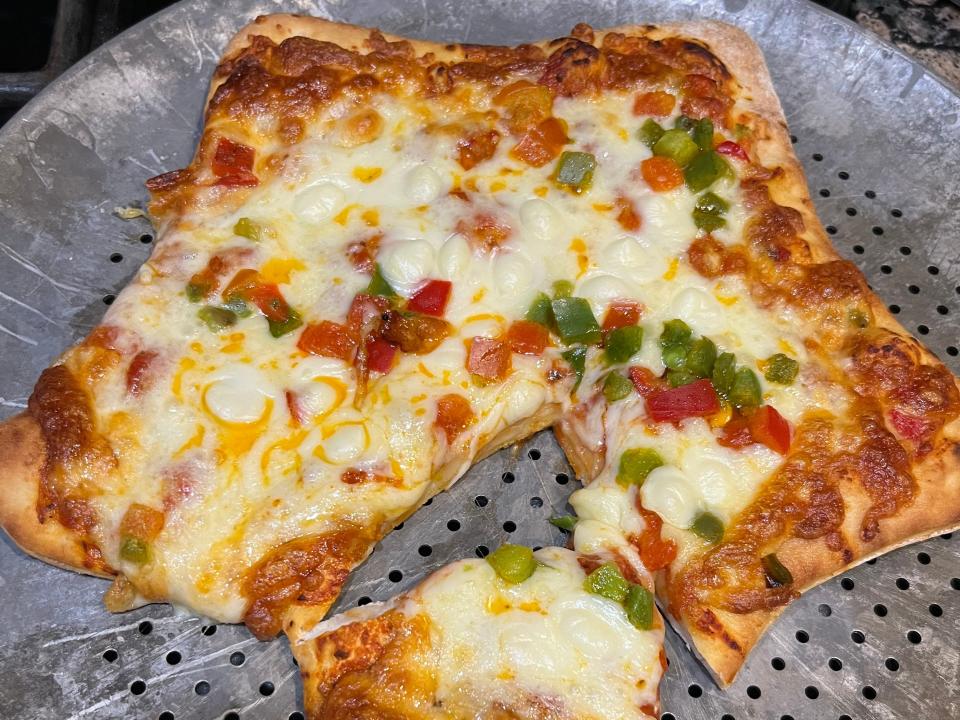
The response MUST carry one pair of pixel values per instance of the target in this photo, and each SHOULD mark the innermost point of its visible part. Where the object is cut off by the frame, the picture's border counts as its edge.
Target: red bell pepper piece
(732, 149)
(696, 399)
(432, 298)
(527, 338)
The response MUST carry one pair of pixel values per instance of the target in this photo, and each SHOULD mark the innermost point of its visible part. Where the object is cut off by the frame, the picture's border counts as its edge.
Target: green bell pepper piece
(709, 527)
(564, 522)
(575, 321)
(724, 372)
(540, 311)
(379, 285)
(575, 169)
(616, 387)
(636, 464)
(245, 227)
(781, 369)
(701, 357)
(704, 170)
(639, 606)
(216, 318)
(622, 343)
(288, 324)
(608, 582)
(513, 563)
(745, 391)
(650, 132)
(577, 360)
(703, 133)
(677, 145)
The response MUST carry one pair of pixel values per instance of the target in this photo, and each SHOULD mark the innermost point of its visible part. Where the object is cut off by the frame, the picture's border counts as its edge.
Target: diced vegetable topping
(768, 427)
(675, 332)
(745, 391)
(562, 289)
(684, 123)
(477, 147)
(644, 381)
(542, 143)
(616, 387)
(233, 164)
(414, 333)
(636, 464)
(777, 574)
(703, 133)
(622, 343)
(781, 369)
(657, 103)
(380, 355)
(577, 360)
(732, 149)
(134, 550)
(216, 318)
(697, 399)
(704, 170)
(513, 563)
(328, 339)
(575, 321)
(279, 328)
(527, 338)
(639, 607)
(621, 313)
(650, 132)
(454, 415)
(709, 527)
(712, 203)
(701, 358)
(540, 311)
(245, 227)
(661, 173)
(708, 221)
(575, 170)
(489, 359)
(677, 145)
(378, 284)
(432, 298)
(564, 522)
(607, 581)
(724, 372)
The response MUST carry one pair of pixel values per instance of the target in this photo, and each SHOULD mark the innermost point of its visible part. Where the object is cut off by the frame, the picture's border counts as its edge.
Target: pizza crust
(24, 453)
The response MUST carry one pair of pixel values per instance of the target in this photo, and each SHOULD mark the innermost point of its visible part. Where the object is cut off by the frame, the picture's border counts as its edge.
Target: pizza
(389, 258)
(518, 635)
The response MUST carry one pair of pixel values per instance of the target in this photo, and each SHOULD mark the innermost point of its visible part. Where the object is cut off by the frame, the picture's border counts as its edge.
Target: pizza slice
(389, 258)
(519, 635)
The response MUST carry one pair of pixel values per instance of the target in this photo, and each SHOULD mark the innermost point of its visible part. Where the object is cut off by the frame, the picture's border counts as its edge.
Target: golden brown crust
(24, 454)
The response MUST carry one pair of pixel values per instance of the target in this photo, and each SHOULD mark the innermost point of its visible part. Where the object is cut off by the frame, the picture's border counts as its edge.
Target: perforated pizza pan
(880, 140)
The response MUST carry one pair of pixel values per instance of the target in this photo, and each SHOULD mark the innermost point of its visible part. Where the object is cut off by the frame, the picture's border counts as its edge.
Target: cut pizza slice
(520, 635)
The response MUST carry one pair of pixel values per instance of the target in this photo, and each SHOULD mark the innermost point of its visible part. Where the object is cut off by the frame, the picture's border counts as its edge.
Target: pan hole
(562, 478)
(914, 637)
(364, 601)
(110, 655)
(166, 715)
(896, 212)
(811, 692)
(138, 687)
(453, 525)
(824, 192)
(835, 664)
(843, 175)
(895, 309)
(509, 526)
(793, 139)
(425, 550)
(923, 558)
(803, 636)
(508, 477)
(858, 249)
(668, 716)
(116, 257)
(831, 230)
(778, 663)
(694, 690)
(936, 610)
(173, 657)
(817, 157)
(145, 628)
(904, 250)
(482, 551)
(395, 576)
(481, 500)
(534, 454)
(933, 269)
(870, 194)
(858, 637)
(825, 610)
(869, 692)
(913, 289)
(266, 688)
(952, 351)
(202, 688)
(536, 501)
(295, 716)
(943, 310)
(146, 238)
(872, 561)
(851, 211)
(209, 630)
(108, 299)
(892, 664)
(846, 583)
(231, 716)
(955, 583)
(903, 584)
(877, 230)
(880, 610)
(786, 717)
(886, 269)
(398, 527)
(753, 692)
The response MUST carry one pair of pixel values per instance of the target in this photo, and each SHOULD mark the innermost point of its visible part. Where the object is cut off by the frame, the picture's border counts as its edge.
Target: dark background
(928, 29)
